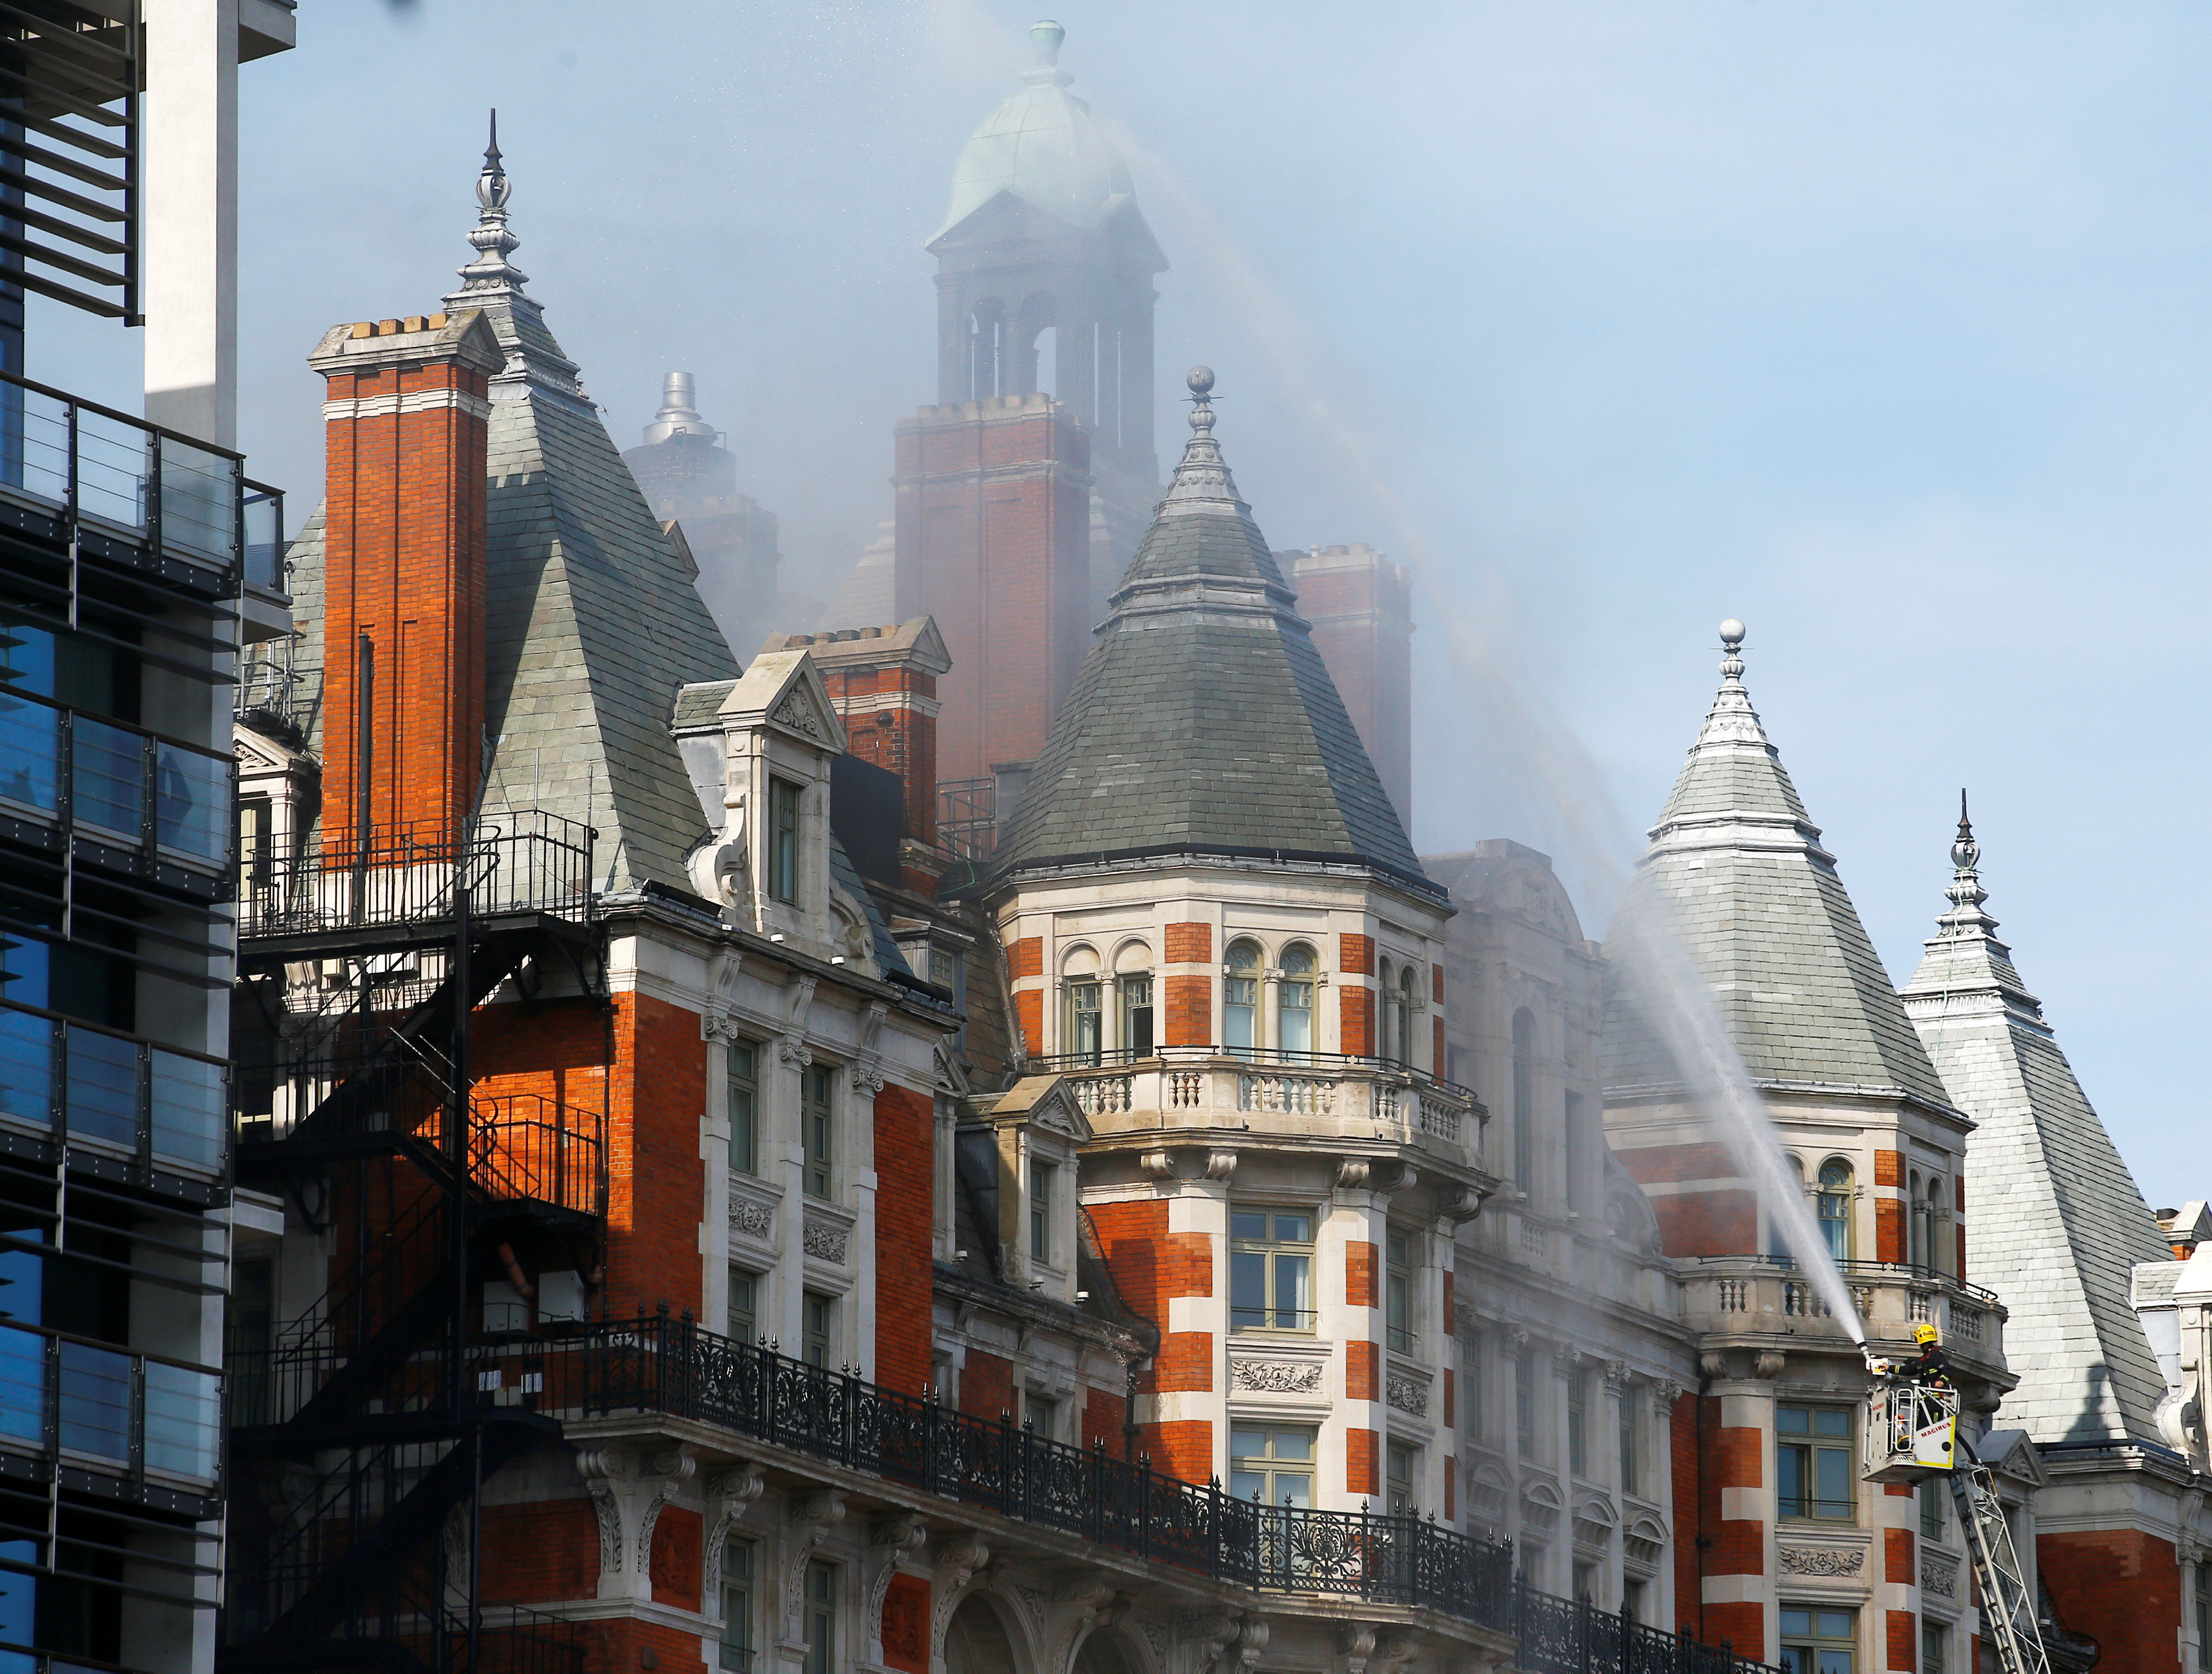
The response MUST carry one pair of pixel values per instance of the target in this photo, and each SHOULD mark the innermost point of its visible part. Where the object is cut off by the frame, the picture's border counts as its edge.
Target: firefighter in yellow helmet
(1930, 1366)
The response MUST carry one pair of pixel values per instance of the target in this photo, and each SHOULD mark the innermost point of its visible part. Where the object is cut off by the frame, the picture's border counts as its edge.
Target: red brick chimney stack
(993, 536)
(405, 414)
(884, 682)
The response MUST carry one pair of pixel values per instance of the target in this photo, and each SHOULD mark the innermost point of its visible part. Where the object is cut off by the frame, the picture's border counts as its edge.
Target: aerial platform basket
(1912, 1431)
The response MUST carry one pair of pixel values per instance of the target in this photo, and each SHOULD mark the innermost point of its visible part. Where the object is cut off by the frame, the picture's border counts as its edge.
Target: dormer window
(783, 840)
(1041, 1176)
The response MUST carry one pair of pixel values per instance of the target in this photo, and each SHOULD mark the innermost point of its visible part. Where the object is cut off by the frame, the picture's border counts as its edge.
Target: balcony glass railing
(128, 1412)
(132, 788)
(74, 1080)
(106, 469)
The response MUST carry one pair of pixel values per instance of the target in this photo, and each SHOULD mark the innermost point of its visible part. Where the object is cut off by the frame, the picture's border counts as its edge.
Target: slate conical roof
(2053, 1217)
(1203, 720)
(1758, 907)
(594, 619)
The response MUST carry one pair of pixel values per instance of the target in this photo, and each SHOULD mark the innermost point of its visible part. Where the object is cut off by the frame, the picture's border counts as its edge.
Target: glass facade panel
(27, 1068)
(103, 1088)
(188, 1111)
(183, 1419)
(95, 1400)
(22, 1384)
(107, 776)
(30, 754)
(191, 801)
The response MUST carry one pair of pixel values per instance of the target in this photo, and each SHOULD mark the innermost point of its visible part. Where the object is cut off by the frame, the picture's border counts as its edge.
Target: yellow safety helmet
(1925, 1333)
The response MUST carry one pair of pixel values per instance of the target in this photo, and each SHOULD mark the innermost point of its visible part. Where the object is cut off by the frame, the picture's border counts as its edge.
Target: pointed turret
(2057, 1219)
(1203, 720)
(1758, 905)
(576, 710)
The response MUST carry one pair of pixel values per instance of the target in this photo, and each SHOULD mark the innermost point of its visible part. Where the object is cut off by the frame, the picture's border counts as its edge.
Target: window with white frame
(783, 839)
(739, 1639)
(744, 1057)
(1272, 1464)
(1240, 997)
(1524, 1100)
(1398, 1293)
(1814, 1465)
(1132, 985)
(1833, 1200)
(1083, 1034)
(1043, 1175)
(1401, 1464)
(1819, 1640)
(1271, 1266)
(820, 1618)
(1294, 1000)
(817, 1085)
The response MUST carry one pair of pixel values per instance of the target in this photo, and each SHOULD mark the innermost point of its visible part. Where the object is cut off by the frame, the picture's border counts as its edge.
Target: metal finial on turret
(493, 240)
(1732, 632)
(1045, 37)
(1966, 893)
(1200, 379)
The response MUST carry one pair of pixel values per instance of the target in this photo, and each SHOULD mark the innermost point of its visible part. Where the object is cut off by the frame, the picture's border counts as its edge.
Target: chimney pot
(385, 328)
(363, 329)
(414, 322)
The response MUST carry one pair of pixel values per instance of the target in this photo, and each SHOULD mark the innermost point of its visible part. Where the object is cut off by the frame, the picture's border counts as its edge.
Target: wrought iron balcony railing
(526, 861)
(665, 1365)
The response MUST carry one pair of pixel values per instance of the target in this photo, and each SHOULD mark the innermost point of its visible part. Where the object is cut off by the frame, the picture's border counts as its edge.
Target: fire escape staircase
(368, 1399)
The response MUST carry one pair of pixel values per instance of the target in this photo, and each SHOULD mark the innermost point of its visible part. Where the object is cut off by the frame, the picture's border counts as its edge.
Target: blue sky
(1879, 326)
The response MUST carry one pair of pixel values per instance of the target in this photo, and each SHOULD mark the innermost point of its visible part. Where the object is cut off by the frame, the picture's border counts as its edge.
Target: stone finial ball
(1200, 379)
(1731, 633)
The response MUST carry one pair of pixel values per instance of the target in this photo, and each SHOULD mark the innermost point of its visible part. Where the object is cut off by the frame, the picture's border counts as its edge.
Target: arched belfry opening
(1024, 490)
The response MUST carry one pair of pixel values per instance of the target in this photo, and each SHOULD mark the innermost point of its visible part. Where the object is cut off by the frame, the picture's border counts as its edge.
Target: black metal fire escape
(359, 1444)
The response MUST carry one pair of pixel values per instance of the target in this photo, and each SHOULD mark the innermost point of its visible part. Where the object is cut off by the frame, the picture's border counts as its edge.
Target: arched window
(1132, 982)
(1524, 1098)
(1916, 1248)
(1404, 1039)
(1081, 1036)
(1240, 998)
(1776, 1245)
(1935, 1250)
(1294, 1000)
(1834, 1203)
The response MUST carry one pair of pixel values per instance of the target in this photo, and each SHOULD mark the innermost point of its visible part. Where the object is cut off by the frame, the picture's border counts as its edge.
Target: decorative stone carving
(1939, 1576)
(1276, 1377)
(752, 1219)
(866, 1076)
(793, 1051)
(729, 1497)
(826, 1242)
(956, 1565)
(1220, 1164)
(1665, 1392)
(1351, 1173)
(889, 1542)
(811, 1517)
(1820, 1560)
(1769, 1363)
(1615, 1373)
(1405, 1394)
(628, 1491)
(1158, 1164)
(796, 713)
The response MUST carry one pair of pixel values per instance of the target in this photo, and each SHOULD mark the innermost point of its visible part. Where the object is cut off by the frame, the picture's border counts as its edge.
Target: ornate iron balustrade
(663, 1365)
